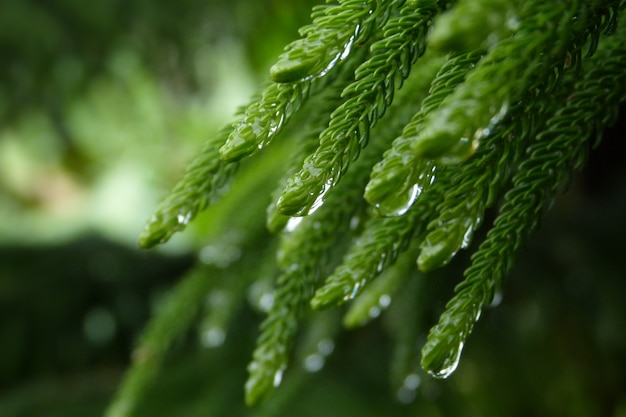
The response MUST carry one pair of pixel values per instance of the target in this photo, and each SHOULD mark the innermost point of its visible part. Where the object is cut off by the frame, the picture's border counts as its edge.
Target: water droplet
(381, 262)
(353, 291)
(449, 364)
(512, 21)
(293, 223)
(497, 299)
(275, 124)
(343, 53)
(319, 200)
(355, 222)
(184, 218)
(467, 236)
(278, 376)
(398, 204)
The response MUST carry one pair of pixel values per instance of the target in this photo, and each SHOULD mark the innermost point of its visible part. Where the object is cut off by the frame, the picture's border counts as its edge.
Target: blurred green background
(101, 106)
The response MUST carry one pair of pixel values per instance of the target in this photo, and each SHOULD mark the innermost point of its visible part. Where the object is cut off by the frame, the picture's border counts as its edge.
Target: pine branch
(478, 182)
(368, 98)
(265, 118)
(513, 106)
(558, 150)
(480, 103)
(308, 64)
(307, 141)
(201, 185)
(377, 296)
(375, 250)
(304, 254)
(398, 179)
(330, 38)
(474, 24)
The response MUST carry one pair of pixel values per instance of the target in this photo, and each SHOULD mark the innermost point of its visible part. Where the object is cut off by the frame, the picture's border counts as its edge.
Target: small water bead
(343, 54)
(398, 204)
(467, 145)
(278, 376)
(381, 262)
(467, 236)
(293, 223)
(184, 218)
(449, 364)
(319, 200)
(247, 137)
(355, 291)
(497, 299)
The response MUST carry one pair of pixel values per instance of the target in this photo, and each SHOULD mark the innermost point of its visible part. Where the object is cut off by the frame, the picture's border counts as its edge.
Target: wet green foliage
(355, 185)
(508, 118)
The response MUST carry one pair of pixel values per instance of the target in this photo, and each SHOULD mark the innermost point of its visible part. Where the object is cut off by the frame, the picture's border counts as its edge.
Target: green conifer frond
(306, 141)
(472, 111)
(264, 119)
(400, 171)
(304, 254)
(376, 249)
(477, 184)
(559, 149)
(368, 98)
(511, 108)
(308, 63)
(474, 24)
(199, 187)
(330, 38)
(379, 294)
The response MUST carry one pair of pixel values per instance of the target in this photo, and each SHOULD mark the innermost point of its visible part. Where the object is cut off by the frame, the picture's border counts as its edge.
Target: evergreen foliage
(409, 140)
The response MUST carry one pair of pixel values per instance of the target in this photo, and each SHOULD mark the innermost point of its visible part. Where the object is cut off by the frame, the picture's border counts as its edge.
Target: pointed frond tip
(201, 185)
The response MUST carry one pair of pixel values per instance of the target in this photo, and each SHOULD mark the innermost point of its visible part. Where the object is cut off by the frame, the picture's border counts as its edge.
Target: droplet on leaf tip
(449, 363)
(398, 204)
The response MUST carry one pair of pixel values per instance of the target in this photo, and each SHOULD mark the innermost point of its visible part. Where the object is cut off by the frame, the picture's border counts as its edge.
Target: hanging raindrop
(449, 364)
(398, 204)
